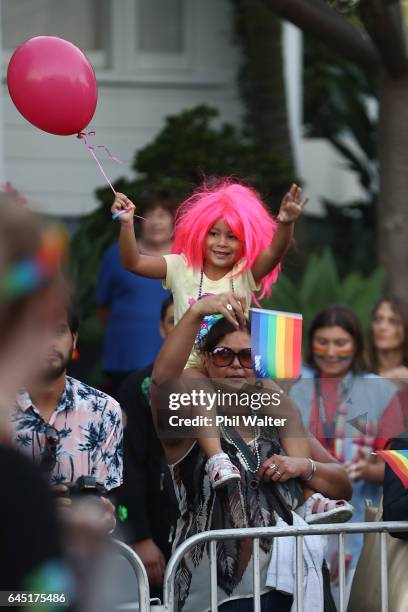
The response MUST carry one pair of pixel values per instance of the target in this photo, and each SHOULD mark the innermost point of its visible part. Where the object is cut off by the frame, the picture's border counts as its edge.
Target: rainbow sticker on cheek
(341, 354)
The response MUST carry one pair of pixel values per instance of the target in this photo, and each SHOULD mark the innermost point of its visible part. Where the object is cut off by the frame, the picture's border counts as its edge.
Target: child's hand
(122, 203)
(291, 205)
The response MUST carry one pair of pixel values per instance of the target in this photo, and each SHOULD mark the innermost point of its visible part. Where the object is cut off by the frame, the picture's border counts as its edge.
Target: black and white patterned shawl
(235, 506)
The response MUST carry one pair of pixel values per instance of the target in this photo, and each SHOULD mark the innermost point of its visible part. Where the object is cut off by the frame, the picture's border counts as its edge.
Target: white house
(152, 58)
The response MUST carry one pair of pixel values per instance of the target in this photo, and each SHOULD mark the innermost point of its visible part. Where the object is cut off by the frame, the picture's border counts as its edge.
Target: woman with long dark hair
(226, 360)
(350, 411)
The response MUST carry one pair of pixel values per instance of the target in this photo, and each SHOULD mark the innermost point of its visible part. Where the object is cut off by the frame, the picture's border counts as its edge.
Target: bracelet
(314, 468)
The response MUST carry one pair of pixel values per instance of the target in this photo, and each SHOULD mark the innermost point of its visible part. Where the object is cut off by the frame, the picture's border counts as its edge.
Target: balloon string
(84, 136)
(101, 169)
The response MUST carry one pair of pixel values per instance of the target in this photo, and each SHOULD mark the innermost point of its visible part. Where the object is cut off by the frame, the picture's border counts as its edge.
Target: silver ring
(229, 307)
(272, 466)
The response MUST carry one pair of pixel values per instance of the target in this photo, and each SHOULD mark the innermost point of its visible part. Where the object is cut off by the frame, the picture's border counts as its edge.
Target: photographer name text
(247, 420)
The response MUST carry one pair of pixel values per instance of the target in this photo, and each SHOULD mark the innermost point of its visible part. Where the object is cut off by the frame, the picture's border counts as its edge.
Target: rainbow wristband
(116, 215)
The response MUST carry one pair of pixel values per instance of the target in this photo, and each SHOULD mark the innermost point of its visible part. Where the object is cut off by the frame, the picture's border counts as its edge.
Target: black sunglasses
(49, 453)
(223, 357)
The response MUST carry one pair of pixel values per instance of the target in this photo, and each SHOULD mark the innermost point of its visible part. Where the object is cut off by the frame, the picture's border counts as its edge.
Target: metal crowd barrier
(273, 532)
(140, 572)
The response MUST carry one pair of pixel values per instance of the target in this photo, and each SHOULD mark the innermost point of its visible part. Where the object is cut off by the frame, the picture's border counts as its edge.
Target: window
(79, 21)
(162, 36)
(160, 25)
(131, 40)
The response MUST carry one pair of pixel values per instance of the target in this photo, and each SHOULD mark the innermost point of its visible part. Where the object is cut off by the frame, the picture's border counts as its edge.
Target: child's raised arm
(131, 258)
(290, 209)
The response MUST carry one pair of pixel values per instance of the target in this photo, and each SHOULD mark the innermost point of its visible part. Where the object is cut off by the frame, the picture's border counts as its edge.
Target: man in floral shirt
(71, 429)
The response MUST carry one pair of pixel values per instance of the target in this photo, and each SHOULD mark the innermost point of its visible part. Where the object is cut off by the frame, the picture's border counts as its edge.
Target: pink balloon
(53, 85)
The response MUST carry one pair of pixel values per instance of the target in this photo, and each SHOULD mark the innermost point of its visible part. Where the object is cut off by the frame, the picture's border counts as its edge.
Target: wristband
(314, 468)
(116, 215)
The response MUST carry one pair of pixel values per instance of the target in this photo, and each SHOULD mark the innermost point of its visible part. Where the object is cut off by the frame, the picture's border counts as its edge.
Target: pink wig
(241, 208)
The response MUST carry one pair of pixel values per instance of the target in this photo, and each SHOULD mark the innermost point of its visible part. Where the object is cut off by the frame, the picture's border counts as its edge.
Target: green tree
(379, 48)
(193, 145)
(321, 284)
(336, 95)
(261, 77)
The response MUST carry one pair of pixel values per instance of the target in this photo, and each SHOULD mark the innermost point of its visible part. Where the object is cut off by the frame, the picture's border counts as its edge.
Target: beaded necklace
(200, 287)
(224, 433)
(257, 432)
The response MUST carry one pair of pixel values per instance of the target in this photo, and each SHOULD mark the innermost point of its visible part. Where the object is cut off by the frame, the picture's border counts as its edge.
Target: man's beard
(51, 373)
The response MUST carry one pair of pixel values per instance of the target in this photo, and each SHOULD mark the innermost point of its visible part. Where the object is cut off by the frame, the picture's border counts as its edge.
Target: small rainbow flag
(398, 462)
(276, 343)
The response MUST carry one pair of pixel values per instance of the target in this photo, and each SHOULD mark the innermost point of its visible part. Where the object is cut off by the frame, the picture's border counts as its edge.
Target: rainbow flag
(276, 339)
(398, 462)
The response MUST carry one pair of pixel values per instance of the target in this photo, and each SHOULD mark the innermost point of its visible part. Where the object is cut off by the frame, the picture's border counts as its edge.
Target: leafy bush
(349, 230)
(337, 95)
(321, 285)
(192, 145)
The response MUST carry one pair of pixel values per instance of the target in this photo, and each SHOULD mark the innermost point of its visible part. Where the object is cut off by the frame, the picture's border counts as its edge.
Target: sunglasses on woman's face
(49, 453)
(223, 357)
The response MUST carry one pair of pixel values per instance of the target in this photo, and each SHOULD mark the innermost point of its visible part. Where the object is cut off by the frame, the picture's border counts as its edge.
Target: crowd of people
(175, 307)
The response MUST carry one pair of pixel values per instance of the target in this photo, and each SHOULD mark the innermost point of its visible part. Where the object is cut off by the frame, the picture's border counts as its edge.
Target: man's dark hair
(73, 315)
(71, 304)
(158, 198)
(165, 304)
(342, 316)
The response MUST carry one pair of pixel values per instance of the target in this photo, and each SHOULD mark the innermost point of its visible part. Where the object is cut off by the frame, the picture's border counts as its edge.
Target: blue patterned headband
(206, 324)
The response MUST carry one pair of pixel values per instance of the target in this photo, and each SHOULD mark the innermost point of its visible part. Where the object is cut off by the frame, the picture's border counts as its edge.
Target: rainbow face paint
(340, 354)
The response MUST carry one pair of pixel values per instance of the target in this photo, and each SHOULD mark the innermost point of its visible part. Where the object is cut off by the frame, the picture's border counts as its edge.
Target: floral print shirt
(89, 424)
